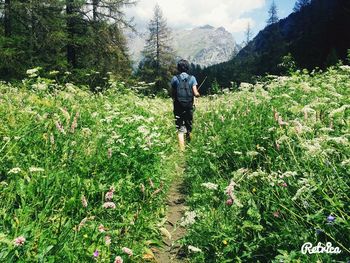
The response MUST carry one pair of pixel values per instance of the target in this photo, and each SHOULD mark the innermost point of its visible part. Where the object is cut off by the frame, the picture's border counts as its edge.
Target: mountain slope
(204, 46)
(317, 36)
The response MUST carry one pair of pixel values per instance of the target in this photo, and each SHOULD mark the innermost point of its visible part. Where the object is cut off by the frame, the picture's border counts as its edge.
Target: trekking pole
(202, 82)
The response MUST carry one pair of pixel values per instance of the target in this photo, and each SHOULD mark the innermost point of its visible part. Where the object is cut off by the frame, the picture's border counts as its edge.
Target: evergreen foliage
(64, 35)
(158, 62)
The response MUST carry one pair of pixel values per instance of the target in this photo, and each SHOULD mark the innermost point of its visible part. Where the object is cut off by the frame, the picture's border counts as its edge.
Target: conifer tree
(158, 62)
(273, 17)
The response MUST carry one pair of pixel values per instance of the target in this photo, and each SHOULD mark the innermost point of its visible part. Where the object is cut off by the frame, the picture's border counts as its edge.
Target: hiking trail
(171, 250)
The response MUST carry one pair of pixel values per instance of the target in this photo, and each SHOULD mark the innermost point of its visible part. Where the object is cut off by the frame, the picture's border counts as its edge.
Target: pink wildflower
(96, 253)
(229, 202)
(109, 205)
(284, 184)
(229, 189)
(101, 228)
(84, 201)
(151, 183)
(75, 122)
(281, 122)
(276, 214)
(118, 259)
(60, 127)
(277, 146)
(276, 115)
(108, 240)
(127, 251)
(19, 241)
(109, 194)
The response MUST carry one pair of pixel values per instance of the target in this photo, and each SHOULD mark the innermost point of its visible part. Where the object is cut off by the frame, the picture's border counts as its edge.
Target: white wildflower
(189, 218)
(210, 186)
(15, 170)
(252, 153)
(194, 249)
(36, 169)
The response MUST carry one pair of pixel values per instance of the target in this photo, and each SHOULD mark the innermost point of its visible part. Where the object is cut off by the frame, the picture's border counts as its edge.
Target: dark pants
(183, 116)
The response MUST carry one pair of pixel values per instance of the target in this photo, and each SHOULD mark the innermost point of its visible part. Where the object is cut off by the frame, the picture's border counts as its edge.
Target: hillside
(316, 37)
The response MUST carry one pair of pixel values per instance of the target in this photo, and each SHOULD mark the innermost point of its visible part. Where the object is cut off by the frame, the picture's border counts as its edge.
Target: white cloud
(194, 13)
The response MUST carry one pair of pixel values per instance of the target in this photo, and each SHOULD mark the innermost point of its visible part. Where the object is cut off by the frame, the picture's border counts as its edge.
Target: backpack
(184, 93)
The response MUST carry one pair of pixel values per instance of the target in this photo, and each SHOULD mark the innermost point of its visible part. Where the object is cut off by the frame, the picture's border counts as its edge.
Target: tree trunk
(71, 54)
(7, 18)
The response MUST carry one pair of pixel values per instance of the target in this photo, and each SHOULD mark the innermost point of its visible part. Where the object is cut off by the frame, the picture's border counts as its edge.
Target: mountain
(316, 36)
(203, 46)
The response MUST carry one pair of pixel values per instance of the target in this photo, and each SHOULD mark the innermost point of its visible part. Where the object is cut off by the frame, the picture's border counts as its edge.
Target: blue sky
(233, 15)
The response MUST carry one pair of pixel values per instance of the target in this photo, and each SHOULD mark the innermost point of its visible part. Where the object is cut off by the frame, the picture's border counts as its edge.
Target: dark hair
(183, 66)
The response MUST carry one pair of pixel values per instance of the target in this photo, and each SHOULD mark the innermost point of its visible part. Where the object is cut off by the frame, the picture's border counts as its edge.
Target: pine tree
(248, 34)
(300, 4)
(158, 55)
(273, 17)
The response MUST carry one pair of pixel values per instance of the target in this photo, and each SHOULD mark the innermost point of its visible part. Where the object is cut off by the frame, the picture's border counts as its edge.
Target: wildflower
(229, 189)
(108, 240)
(101, 228)
(210, 186)
(82, 223)
(281, 122)
(224, 242)
(330, 219)
(189, 218)
(276, 214)
(127, 251)
(276, 115)
(151, 183)
(109, 205)
(142, 188)
(118, 259)
(284, 184)
(96, 254)
(52, 139)
(36, 169)
(229, 202)
(19, 241)
(15, 170)
(84, 201)
(109, 194)
(74, 123)
(277, 146)
(60, 127)
(109, 153)
(194, 249)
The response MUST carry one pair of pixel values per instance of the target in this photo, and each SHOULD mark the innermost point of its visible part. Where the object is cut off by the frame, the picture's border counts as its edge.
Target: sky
(233, 15)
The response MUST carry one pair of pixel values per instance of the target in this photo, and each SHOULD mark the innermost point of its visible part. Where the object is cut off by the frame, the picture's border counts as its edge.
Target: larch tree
(158, 56)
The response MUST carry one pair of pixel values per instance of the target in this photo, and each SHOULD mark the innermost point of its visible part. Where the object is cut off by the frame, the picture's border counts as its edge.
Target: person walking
(184, 89)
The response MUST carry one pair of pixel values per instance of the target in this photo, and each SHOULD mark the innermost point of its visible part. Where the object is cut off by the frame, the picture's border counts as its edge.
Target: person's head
(183, 66)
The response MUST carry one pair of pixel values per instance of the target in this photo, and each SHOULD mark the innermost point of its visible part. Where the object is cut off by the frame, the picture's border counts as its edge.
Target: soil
(172, 250)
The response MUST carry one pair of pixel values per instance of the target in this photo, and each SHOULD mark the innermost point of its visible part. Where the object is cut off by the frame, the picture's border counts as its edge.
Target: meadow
(84, 177)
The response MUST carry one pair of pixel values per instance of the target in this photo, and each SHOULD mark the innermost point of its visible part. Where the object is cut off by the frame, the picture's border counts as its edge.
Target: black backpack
(184, 93)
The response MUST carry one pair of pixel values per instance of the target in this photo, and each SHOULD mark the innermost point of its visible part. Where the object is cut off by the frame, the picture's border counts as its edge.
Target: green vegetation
(84, 176)
(78, 170)
(268, 170)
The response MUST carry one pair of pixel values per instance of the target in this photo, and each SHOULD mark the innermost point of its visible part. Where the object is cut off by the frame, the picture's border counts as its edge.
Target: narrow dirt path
(171, 251)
